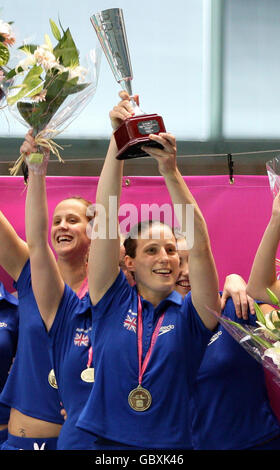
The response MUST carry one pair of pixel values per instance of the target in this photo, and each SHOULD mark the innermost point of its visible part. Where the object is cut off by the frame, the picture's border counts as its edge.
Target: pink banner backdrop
(236, 215)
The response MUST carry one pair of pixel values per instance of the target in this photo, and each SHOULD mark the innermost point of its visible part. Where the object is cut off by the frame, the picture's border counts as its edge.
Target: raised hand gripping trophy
(133, 132)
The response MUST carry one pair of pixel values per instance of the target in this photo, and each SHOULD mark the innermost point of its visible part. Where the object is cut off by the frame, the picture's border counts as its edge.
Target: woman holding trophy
(125, 390)
(143, 379)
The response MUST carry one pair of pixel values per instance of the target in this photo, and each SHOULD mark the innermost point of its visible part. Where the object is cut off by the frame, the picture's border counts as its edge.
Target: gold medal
(52, 379)
(87, 375)
(139, 399)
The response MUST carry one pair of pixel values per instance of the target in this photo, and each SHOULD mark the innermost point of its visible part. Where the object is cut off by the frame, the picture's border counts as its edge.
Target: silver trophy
(133, 132)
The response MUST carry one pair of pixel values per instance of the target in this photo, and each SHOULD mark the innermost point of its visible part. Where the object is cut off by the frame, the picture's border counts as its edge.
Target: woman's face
(182, 284)
(68, 231)
(156, 264)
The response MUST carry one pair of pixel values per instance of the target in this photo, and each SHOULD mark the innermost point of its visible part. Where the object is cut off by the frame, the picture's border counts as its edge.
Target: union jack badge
(81, 339)
(130, 323)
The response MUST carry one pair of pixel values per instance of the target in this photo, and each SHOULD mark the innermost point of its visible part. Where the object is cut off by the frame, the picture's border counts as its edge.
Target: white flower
(4, 27)
(29, 61)
(80, 72)
(270, 318)
(274, 353)
(7, 32)
(269, 329)
(45, 57)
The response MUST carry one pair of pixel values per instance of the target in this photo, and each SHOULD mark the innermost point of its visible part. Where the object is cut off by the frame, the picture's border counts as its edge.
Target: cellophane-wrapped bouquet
(262, 341)
(50, 89)
(7, 40)
(273, 172)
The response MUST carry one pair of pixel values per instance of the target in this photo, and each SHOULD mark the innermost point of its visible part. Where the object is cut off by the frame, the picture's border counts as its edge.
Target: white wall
(168, 48)
(252, 69)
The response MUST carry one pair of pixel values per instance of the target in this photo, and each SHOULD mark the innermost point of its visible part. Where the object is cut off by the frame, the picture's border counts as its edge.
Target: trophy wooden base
(134, 132)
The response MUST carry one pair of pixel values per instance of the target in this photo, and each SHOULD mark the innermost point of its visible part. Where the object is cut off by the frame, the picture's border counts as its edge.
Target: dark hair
(130, 242)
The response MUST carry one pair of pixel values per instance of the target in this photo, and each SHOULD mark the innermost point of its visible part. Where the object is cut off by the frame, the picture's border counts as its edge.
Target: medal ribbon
(142, 367)
(83, 289)
(82, 292)
(90, 354)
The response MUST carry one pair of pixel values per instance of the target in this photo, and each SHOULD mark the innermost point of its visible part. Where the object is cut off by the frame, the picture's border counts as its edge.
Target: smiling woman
(68, 230)
(64, 275)
(149, 372)
(40, 423)
(152, 258)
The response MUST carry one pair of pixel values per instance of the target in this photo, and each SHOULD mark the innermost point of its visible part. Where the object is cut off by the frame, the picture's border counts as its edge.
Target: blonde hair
(87, 203)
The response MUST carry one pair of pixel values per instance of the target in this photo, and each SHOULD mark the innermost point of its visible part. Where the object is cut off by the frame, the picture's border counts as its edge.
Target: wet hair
(24, 169)
(130, 242)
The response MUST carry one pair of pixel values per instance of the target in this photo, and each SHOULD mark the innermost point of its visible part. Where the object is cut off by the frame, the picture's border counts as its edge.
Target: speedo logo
(165, 329)
(3, 324)
(214, 337)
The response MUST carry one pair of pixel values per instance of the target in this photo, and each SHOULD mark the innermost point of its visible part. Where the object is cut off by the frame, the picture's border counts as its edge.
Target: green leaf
(55, 84)
(66, 51)
(276, 333)
(274, 299)
(70, 88)
(59, 85)
(39, 114)
(30, 85)
(60, 24)
(28, 48)
(4, 54)
(55, 30)
(13, 72)
(255, 338)
(260, 315)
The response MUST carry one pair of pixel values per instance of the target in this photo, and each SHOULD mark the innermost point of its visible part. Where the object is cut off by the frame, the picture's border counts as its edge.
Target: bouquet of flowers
(7, 39)
(50, 89)
(262, 342)
(273, 172)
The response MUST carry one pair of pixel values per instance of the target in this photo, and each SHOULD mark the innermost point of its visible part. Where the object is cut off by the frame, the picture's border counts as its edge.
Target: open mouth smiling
(162, 271)
(64, 238)
(183, 283)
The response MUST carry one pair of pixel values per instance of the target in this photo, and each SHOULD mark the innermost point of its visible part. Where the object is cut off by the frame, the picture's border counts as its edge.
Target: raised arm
(47, 283)
(263, 272)
(13, 250)
(202, 270)
(104, 253)
(235, 287)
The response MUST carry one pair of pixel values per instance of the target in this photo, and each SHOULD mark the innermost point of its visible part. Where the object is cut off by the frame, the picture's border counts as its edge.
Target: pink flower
(40, 96)
(46, 58)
